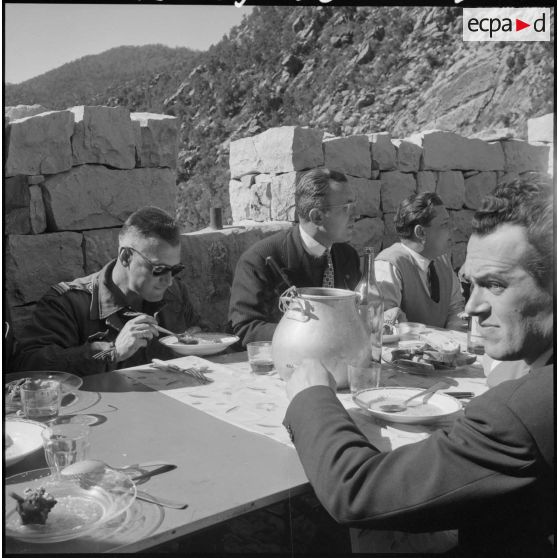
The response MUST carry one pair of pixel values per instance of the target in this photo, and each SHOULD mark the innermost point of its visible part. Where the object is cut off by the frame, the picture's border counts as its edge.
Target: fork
(102, 354)
(193, 372)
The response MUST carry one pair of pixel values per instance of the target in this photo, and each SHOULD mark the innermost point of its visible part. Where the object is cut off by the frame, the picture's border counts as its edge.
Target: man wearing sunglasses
(109, 319)
(313, 253)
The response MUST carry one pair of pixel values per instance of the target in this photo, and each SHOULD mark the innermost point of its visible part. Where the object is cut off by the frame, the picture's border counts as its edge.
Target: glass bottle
(475, 341)
(370, 304)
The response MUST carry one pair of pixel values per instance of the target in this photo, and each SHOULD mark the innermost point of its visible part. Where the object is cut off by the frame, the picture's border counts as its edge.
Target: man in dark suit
(492, 476)
(313, 253)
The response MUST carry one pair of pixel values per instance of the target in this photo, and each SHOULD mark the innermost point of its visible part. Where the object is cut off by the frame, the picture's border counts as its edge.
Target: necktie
(433, 283)
(328, 273)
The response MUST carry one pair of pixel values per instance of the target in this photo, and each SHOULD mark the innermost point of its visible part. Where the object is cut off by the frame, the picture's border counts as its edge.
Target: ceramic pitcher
(320, 323)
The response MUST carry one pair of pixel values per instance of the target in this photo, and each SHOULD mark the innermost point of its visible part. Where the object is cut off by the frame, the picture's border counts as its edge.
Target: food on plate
(34, 507)
(441, 344)
(427, 358)
(7, 440)
(12, 390)
(389, 329)
(196, 339)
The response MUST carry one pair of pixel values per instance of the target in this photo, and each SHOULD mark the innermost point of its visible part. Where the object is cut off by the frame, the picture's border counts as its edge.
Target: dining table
(226, 438)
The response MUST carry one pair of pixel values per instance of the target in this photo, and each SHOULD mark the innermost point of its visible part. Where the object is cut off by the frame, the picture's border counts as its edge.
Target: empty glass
(40, 399)
(259, 357)
(365, 376)
(65, 444)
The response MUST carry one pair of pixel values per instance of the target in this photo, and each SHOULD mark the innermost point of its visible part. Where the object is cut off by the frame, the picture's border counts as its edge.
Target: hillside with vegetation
(345, 70)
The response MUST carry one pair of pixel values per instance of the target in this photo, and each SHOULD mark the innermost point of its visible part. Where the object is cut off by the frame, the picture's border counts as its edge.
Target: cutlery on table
(160, 501)
(400, 407)
(195, 373)
(460, 394)
(88, 466)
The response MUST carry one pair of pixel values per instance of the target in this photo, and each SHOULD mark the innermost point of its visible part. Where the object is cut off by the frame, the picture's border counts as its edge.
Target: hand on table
(394, 315)
(135, 334)
(311, 372)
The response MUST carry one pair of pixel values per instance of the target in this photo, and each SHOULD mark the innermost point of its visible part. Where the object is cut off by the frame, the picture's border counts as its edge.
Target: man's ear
(316, 216)
(419, 232)
(124, 256)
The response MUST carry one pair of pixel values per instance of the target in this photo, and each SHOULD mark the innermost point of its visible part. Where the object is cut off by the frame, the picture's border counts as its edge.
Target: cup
(259, 357)
(65, 444)
(364, 376)
(40, 399)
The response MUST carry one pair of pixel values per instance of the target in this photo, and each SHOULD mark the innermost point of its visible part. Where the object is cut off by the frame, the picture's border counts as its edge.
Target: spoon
(400, 407)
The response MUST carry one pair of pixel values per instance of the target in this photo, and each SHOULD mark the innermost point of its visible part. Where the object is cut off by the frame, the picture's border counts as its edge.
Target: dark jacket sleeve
(252, 311)
(473, 471)
(53, 340)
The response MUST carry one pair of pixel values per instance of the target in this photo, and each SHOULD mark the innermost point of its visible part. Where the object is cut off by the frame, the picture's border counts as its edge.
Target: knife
(157, 471)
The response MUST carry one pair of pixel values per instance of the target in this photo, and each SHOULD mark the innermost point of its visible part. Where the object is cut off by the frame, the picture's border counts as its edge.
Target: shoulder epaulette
(63, 287)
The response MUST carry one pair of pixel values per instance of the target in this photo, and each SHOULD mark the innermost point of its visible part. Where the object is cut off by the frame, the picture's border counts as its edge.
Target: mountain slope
(344, 70)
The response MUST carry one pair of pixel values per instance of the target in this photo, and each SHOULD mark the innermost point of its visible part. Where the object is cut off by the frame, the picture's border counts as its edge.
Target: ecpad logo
(506, 24)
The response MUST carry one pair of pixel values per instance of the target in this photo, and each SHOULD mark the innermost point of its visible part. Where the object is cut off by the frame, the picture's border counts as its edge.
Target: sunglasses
(158, 269)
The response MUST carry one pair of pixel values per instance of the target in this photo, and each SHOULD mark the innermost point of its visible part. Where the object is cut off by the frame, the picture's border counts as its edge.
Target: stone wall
(71, 178)
(382, 170)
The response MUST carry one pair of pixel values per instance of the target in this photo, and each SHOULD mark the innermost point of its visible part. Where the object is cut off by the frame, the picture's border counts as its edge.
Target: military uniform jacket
(74, 320)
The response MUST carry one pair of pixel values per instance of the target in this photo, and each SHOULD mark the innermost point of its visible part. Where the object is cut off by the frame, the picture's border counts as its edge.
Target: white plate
(202, 348)
(26, 438)
(83, 504)
(438, 406)
(390, 338)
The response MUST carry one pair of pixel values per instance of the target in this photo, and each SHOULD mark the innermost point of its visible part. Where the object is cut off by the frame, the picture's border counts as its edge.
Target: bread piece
(440, 343)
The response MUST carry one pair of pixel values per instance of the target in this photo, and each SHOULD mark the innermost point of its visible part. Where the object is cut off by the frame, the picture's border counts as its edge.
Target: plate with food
(437, 406)
(69, 383)
(390, 334)
(22, 437)
(43, 508)
(430, 353)
(200, 343)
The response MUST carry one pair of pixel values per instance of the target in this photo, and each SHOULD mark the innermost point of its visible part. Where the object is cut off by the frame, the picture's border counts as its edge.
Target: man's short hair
(152, 222)
(417, 209)
(312, 188)
(527, 202)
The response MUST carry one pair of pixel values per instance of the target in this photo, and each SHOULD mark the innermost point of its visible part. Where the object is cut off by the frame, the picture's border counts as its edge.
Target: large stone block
(37, 212)
(40, 144)
(100, 246)
(277, 150)
(159, 139)
(449, 151)
(211, 258)
(396, 186)
(260, 198)
(541, 129)
(461, 225)
(522, 156)
(103, 135)
(24, 211)
(451, 188)
(283, 196)
(408, 155)
(349, 155)
(478, 186)
(382, 151)
(95, 197)
(35, 262)
(426, 181)
(368, 196)
(23, 111)
(368, 232)
(239, 195)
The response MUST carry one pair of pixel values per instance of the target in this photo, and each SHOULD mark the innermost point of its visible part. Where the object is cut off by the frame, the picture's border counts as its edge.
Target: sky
(39, 37)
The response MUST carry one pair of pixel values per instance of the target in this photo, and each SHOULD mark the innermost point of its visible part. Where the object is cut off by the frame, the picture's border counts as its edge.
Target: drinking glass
(40, 399)
(259, 357)
(364, 376)
(65, 444)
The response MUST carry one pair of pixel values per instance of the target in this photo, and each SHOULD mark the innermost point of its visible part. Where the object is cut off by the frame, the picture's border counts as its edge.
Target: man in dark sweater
(313, 253)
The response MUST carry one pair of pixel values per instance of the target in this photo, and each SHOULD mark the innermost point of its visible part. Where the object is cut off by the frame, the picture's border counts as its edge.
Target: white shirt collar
(311, 245)
(422, 262)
